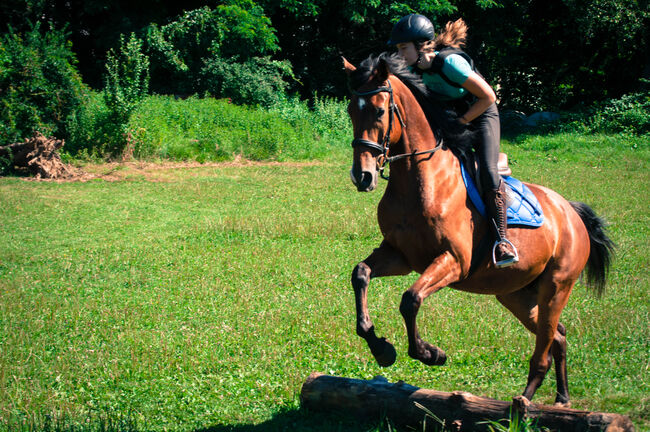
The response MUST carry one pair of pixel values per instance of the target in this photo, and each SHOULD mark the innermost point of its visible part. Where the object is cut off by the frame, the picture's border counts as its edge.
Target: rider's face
(408, 52)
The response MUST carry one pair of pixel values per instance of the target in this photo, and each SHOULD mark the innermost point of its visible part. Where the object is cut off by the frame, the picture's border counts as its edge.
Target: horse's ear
(347, 66)
(382, 70)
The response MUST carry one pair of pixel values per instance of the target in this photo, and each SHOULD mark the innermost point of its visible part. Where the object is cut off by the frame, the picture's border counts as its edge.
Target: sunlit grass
(206, 297)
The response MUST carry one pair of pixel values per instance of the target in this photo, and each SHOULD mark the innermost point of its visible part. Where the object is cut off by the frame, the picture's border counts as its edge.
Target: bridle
(383, 159)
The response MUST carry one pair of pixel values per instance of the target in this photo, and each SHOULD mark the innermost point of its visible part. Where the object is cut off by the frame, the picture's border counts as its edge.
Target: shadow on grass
(304, 420)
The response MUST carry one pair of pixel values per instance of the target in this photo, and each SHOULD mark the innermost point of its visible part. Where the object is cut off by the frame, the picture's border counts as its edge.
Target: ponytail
(453, 36)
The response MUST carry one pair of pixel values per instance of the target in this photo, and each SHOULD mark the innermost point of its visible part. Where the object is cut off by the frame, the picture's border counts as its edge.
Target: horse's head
(375, 119)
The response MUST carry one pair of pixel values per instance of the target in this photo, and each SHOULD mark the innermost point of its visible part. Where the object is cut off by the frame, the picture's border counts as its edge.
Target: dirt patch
(156, 171)
(37, 159)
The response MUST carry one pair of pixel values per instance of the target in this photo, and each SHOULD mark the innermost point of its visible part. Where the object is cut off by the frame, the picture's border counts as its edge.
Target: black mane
(443, 123)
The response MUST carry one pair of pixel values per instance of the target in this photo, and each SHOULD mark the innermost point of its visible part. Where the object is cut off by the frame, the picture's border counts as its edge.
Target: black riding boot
(504, 253)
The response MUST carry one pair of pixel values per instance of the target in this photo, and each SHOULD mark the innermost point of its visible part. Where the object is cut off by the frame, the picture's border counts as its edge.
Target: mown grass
(203, 299)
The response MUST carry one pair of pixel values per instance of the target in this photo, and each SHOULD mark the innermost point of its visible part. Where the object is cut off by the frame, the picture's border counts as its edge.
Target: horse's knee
(410, 304)
(360, 275)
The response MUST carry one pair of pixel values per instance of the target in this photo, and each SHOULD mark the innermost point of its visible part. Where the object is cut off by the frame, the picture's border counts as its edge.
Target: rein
(383, 158)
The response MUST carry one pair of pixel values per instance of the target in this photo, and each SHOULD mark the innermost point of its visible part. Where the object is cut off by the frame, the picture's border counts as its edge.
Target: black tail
(602, 247)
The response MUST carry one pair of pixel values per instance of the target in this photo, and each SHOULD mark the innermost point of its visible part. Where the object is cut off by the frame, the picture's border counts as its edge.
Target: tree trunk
(407, 405)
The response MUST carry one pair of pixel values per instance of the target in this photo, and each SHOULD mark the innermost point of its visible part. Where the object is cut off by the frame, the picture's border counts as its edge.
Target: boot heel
(506, 262)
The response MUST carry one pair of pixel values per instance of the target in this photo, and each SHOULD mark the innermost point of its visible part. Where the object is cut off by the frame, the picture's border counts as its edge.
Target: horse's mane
(443, 123)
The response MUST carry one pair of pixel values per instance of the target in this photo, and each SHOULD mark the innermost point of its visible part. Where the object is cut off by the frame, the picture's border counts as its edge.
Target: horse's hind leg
(384, 261)
(523, 304)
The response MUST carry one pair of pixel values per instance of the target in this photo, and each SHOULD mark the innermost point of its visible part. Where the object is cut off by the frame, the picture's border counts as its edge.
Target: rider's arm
(484, 94)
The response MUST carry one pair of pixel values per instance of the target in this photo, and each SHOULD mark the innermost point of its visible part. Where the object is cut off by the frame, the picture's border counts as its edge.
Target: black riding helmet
(412, 28)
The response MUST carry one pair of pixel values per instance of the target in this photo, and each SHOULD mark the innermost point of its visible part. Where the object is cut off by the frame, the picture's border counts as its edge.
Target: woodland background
(80, 69)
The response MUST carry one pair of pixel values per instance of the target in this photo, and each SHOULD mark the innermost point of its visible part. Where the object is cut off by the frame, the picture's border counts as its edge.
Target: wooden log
(407, 405)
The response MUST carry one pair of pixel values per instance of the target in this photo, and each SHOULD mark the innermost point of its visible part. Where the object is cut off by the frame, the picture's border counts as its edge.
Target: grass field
(201, 297)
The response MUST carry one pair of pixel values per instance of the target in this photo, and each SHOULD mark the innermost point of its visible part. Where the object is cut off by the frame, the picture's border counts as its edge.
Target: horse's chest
(416, 236)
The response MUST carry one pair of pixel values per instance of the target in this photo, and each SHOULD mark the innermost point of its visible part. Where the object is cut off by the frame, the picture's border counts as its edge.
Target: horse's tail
(602, 247)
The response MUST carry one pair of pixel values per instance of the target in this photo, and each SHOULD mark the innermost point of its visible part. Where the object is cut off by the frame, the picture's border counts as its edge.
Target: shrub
(257, 81)
(205, 129)
(90, 127)
(39, 84)
(237, 30)
(629, 114)
(127, 82)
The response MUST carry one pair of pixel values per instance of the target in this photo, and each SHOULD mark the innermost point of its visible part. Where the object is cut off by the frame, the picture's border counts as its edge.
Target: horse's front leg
(443, 271)
(384, 261)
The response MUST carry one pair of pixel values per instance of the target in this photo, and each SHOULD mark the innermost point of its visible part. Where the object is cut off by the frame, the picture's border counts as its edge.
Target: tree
(179, 50)
(39, 84)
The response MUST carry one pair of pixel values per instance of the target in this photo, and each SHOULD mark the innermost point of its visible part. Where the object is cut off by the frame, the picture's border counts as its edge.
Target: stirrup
(506, 262)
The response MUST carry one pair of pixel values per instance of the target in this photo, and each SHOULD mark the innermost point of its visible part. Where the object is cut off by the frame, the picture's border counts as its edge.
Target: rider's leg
(488, 127)
(505, 253)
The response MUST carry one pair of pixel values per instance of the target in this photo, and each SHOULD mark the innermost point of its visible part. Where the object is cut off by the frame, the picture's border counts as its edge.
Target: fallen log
(37, 155)
(411, 406)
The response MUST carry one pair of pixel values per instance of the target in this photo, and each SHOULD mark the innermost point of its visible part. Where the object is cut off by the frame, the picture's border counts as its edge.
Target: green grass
(207, 129)
(203, 299)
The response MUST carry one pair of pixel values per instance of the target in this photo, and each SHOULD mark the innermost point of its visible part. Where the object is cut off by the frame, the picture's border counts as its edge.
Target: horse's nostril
(365, 181)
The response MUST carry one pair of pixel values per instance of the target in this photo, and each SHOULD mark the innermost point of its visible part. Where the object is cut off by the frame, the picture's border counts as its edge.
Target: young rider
(454, 82)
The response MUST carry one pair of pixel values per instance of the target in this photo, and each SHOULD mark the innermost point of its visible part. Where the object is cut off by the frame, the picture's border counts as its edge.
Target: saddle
(523, 207)
(471, 164)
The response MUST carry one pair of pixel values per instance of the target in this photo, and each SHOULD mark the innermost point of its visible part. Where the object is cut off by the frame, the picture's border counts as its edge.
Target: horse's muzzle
(365, 181)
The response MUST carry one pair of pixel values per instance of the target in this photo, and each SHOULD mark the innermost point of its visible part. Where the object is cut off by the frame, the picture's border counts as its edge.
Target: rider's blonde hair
(453, 36)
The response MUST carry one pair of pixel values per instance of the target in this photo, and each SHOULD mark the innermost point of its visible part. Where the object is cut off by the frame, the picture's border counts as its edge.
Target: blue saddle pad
(523, 207)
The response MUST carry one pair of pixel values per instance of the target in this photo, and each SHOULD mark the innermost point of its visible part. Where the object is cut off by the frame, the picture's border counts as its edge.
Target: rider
(456, 84)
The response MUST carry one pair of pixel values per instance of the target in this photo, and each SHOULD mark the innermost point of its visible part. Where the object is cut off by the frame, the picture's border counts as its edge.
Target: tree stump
(407, 405)
(38, 156)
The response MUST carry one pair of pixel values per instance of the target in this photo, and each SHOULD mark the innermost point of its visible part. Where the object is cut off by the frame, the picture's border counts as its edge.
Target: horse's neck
(426, 170)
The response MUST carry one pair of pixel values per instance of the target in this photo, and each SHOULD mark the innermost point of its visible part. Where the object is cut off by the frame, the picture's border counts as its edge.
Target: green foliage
(628, 115)
(560, 54)
(206, 129)
(256, 81)
(127, 82)
(91, 128)
(237, 29)
(39, 85)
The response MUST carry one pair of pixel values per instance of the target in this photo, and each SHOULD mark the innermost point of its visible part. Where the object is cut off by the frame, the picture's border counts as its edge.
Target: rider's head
(410, 34)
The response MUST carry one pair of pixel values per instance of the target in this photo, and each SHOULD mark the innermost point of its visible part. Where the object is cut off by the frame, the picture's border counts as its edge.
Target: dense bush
(90, 128)
(39, 85)
(222, 50)
(127, 82)
(205, 129)
(256, 81)
(629, 114)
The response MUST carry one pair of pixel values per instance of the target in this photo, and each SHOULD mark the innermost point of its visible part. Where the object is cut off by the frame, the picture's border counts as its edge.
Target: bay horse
(430, 226)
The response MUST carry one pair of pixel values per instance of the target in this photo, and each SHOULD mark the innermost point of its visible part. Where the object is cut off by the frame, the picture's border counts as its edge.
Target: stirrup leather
(506, 262)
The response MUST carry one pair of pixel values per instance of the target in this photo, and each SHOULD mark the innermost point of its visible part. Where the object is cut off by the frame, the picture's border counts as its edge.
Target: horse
(430, 226)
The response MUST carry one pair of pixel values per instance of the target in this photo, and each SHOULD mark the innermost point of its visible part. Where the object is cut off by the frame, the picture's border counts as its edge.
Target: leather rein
(384, 159)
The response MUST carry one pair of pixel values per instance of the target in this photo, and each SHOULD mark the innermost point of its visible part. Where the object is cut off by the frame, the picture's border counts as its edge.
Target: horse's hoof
(431, 355)
(384, 352)
(561, 404)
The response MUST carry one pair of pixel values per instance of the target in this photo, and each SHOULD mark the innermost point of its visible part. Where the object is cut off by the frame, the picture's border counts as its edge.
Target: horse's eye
(380, 113)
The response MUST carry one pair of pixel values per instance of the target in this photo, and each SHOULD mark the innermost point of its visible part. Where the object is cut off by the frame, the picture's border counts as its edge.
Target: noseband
(383, 148)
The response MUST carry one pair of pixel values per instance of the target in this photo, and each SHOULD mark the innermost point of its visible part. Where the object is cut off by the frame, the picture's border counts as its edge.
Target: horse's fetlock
(364, 328)
(361, 275)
